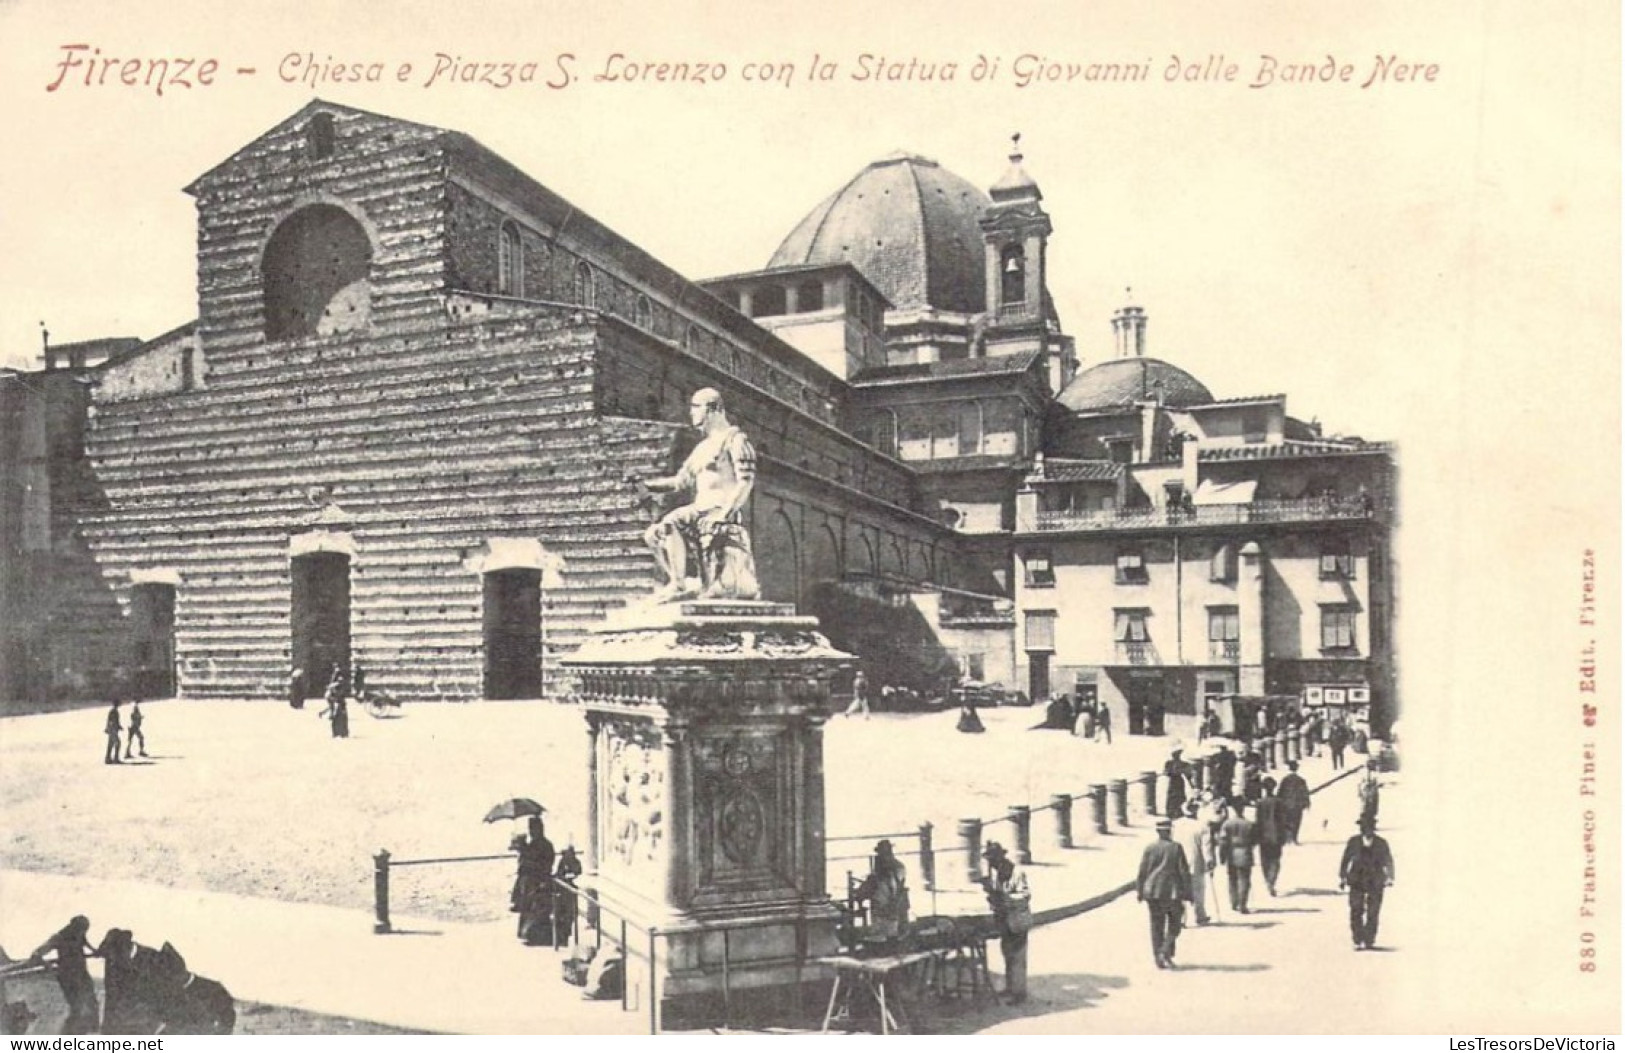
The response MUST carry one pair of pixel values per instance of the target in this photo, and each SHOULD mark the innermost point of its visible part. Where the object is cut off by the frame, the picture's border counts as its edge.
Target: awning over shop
(1209, 492)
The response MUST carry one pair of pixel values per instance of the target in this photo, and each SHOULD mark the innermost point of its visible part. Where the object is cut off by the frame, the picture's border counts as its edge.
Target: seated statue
(703, 547)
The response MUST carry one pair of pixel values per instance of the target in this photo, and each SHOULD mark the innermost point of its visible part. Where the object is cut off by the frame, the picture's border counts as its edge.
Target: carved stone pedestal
(705, 720)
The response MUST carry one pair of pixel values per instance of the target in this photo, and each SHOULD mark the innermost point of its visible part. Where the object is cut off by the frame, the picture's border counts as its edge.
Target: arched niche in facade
(316, 274)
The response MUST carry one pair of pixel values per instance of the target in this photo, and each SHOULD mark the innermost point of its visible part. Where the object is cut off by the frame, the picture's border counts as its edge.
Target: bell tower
(1015, 233)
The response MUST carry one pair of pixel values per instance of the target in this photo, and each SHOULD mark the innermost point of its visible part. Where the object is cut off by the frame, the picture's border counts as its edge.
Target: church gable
(330, 222)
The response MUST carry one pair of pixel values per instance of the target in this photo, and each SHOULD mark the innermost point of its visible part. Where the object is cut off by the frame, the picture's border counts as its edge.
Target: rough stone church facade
(406, 431)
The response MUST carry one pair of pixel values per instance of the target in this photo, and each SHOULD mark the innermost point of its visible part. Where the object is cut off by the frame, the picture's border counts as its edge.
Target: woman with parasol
(532, 897)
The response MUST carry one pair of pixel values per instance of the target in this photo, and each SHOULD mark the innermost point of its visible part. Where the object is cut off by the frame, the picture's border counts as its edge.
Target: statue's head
(706, 404)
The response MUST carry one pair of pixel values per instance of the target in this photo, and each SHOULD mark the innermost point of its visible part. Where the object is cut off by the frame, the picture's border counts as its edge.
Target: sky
(1307, 238)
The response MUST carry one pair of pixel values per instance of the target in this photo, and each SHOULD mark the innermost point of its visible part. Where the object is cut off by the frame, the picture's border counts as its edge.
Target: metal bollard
(1061, 805)
(1291, 748)
(1120, 801)
(380, 891)
(1280, 748)
(970, 843)
(1021, 817)
(928, 858)
(1097, 806)
(1306, 745)
(1148, 779)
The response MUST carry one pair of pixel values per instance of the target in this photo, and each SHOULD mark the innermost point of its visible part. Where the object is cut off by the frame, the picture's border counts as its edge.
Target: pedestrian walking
(1192, 834)
(115, 732)
(564, 896)
(1176, 772)
(1084, 726)
(1163, 885)
(1268, 827)
(71, 945)
(1366, 870)
(532, 895)
(1370, 792)
(1238, 840)
(337, 710)
(860, 696)
(298, 687)
(1295, 801)
(136, 734)
(1011, 901)
(1103, 723)
(1224, 773)
(1338, 740)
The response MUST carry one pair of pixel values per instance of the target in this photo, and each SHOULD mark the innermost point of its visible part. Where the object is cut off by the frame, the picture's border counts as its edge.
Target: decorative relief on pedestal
(741, 824)
(634, 798)
(710, 641)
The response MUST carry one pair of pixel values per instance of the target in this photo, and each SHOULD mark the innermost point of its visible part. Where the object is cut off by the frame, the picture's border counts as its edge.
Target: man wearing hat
(1295, 801)
(1011, 901)
(886, 889)
(1367, 869)
(1193, 835)
(1163, 886)
(1238, 839)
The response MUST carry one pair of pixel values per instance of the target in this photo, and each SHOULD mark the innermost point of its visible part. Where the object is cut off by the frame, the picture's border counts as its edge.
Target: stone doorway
(321, 618)
(152, 629)
(513, 633)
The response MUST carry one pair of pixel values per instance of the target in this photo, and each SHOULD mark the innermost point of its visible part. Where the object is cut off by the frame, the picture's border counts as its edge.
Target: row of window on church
(585, 292)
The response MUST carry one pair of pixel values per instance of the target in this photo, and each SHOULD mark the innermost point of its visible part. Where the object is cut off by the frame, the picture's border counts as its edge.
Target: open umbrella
(514, 808)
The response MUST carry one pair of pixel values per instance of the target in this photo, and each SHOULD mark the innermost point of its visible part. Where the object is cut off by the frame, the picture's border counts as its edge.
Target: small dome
(910, 226)
(1123, 380)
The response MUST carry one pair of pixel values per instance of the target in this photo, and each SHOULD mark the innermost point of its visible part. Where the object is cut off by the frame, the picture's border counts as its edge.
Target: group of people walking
(1087, 718)
(115, 730)
(1243, 832)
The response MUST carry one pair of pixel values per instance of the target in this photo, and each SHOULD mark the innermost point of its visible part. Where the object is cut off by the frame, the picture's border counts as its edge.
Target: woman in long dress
(532, 897)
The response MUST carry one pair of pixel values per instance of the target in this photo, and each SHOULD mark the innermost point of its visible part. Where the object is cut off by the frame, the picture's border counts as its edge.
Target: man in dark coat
(1224, 773)
(1164, 884)
(1176, 773)
(1238, 840)
(1367, 869)
(115, 729)
(1267, 823)
(1338, 740)
(71, 945)
(1295, 801)
(1103, 723)
(136, 734)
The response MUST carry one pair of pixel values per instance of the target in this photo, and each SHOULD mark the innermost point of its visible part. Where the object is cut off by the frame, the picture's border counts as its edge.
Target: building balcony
(1138, 653)
(1224, 651)
(1297, 510)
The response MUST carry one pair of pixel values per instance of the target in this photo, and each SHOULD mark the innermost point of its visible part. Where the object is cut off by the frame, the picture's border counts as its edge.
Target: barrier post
(1097, 806)
(970, 843)
(928, 858)
(380, 891)
(1148, 780)
(1021, 817)
(1061, 804)
(1120, 801)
